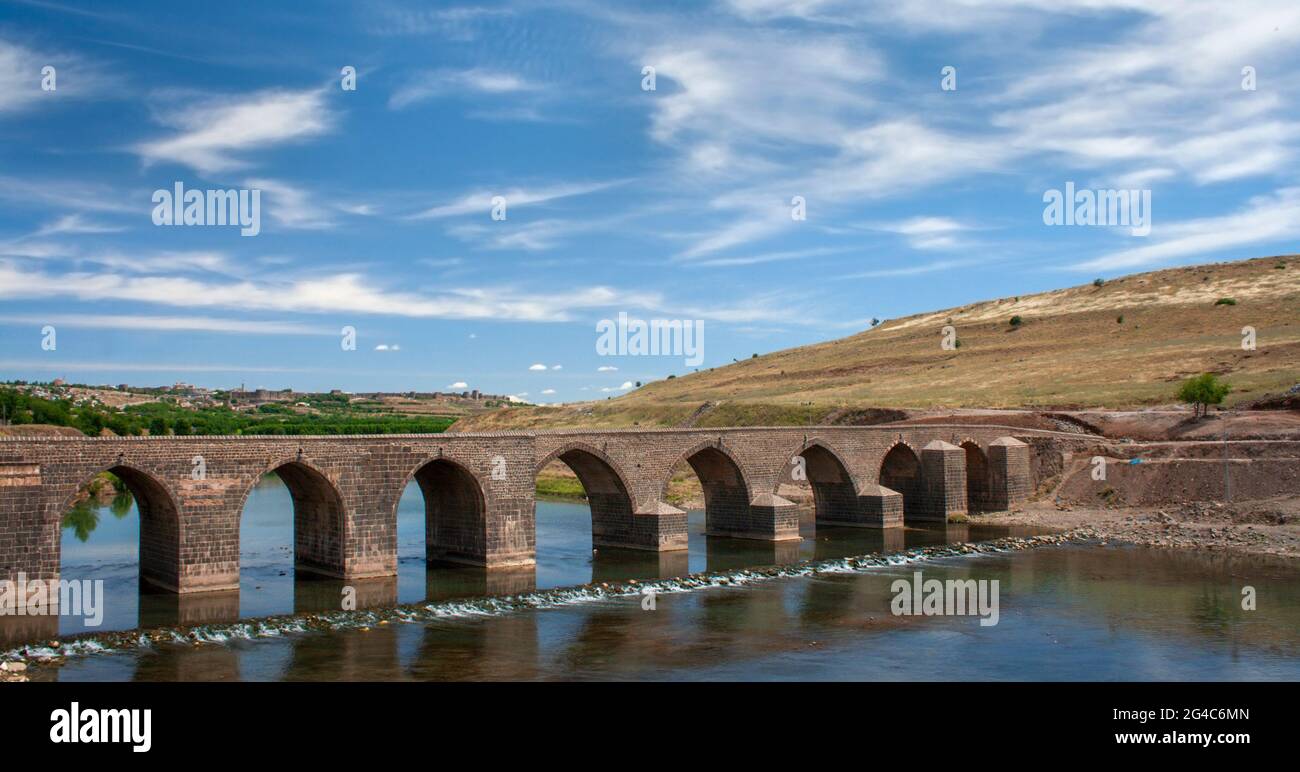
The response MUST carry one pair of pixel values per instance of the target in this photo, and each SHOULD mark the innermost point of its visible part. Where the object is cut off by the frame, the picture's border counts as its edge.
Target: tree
(157, 427)
(1202, 391)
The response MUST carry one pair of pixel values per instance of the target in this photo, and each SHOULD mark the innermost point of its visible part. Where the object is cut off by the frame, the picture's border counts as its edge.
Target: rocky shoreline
(1262, 527)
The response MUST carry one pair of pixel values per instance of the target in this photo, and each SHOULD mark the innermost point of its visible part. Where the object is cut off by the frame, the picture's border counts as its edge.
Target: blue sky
(671, 204)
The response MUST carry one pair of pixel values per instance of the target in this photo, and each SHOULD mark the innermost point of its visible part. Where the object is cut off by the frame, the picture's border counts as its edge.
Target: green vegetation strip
(157, 418)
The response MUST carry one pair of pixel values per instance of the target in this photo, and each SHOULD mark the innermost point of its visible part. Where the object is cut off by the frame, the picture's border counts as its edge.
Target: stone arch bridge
(478, 490)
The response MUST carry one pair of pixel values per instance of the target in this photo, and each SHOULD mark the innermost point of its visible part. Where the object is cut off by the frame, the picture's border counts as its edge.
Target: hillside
(1124, 344)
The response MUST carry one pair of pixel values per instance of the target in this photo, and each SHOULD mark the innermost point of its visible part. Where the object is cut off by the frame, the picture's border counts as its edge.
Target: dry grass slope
(1126, 343)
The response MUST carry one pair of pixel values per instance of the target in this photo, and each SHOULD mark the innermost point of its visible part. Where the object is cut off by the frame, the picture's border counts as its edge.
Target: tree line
(158, 418)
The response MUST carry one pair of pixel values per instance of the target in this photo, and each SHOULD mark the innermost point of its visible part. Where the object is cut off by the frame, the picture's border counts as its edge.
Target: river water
(1077, 611)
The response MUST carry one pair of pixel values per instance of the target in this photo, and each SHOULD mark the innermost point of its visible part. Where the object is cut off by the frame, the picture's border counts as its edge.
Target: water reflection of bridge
(721, 632)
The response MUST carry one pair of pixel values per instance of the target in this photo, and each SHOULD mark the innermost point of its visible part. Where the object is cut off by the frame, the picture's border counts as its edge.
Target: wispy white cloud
(1158, 98)
(75, 224)
(536, 235)
(340, 293)
(1264, 219)
(49, 365)
(290, 206)
(914, 270)
(168, 323)
(928, 232)
(63, 194)
(214, 134)
(440, 83)
(21, 76)
(456, 23)
(36, 250)
(155, 262)
(1164, 95)
(480, 202)
(769, 257)
(813, 87)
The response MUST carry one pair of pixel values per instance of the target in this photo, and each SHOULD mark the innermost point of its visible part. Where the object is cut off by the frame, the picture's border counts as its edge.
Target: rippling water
(1067, 612)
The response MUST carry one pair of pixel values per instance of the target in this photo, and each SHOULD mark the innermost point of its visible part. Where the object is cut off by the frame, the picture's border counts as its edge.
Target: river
(1074, 611)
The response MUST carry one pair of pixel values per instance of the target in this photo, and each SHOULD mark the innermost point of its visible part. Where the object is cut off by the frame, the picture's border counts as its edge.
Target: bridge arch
(835, 492)
(609, 495)
(160, 522)
(319, 515)
(900, 471)
(979, 491)
(455, 511)
(726, 490)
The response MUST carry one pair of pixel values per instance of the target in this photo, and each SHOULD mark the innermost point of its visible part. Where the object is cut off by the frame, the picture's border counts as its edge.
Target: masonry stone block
(1010, 481)
(943, 483)
(878, 507)
(770, 518)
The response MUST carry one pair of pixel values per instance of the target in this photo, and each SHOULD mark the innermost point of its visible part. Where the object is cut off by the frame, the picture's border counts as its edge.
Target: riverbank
(1259, 527)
